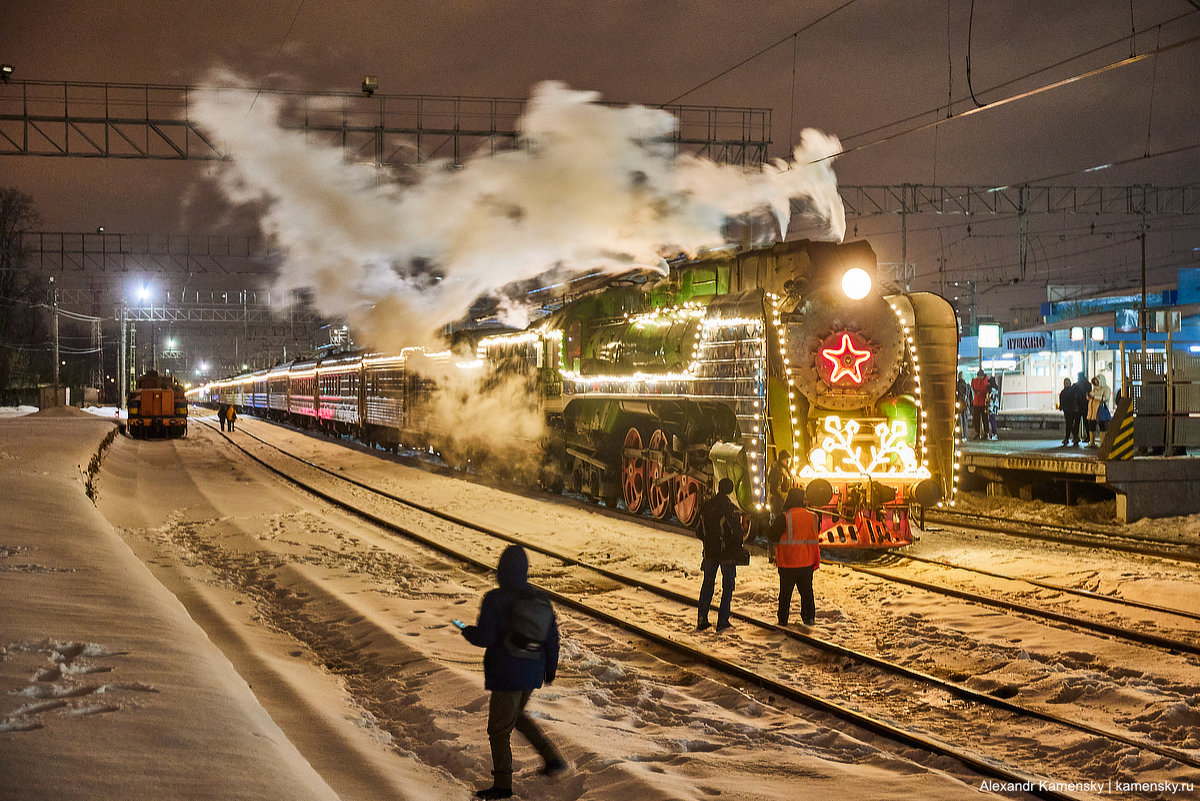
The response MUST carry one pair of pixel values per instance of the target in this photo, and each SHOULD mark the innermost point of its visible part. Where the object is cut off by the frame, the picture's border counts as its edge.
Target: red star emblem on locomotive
(845, 360)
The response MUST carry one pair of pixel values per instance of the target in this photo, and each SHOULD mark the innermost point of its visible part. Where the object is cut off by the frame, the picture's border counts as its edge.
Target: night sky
(869, 64)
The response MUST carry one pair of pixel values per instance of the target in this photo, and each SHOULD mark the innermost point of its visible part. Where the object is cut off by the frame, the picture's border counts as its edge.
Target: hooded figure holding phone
(519, 632)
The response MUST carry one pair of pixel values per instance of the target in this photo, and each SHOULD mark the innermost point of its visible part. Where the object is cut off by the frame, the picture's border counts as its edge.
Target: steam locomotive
(653, 388)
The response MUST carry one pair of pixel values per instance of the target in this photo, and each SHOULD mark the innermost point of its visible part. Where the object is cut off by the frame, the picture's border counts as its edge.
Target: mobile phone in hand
(459, 624)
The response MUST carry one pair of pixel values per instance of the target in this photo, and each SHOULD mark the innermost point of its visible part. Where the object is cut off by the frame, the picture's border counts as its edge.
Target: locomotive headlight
(856, 283)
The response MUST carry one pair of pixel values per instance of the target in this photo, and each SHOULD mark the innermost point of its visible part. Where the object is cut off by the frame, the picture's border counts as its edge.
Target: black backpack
(529, 624)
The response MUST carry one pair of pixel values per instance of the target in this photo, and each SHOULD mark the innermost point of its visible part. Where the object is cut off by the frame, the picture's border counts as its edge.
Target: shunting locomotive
(157, 407)
(653, 388)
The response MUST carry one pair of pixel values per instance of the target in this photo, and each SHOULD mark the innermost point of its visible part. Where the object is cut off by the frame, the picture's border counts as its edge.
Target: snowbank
(107, 687)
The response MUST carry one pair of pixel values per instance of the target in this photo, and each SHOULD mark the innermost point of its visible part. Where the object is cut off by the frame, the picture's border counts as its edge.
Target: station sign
(989, 335)
(1029, 342)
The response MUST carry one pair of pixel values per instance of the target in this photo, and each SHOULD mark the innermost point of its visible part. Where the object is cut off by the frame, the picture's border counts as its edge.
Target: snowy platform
(108, 689)
(1145, 486)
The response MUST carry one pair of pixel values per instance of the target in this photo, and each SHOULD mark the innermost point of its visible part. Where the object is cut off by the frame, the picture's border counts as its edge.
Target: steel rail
(1092, 539)
(1069, 530)
(1142, 638)
(984, 766)
(958, 690)
(1091, 595)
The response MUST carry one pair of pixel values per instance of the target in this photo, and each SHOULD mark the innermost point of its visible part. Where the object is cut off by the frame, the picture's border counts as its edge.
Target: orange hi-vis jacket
(799, 546)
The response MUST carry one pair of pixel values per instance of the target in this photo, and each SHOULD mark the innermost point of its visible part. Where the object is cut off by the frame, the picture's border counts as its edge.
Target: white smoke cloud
(595, 187)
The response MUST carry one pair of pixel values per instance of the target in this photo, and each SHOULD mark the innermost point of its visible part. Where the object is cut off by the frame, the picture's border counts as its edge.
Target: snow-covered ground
(207, 632)
(109, 412)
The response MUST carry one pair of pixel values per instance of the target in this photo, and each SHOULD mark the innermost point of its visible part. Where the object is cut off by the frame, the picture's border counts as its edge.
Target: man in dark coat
(511, 678)
(1074, 405)
(720, 529)
(962, 396)
(779, 482)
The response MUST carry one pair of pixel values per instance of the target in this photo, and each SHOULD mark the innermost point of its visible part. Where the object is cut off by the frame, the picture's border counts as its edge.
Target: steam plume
(595, 187)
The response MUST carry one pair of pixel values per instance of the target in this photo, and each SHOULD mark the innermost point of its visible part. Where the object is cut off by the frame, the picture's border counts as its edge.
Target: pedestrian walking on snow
(230, 416)
(797, 555)
(720, 529)
(519, 632)
(222, 415)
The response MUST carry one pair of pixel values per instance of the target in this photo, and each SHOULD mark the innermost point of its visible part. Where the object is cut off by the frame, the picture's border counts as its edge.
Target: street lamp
(6, 71)
(370, 84)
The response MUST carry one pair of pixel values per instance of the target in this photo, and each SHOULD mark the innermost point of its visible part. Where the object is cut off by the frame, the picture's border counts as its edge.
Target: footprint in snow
(55, 688)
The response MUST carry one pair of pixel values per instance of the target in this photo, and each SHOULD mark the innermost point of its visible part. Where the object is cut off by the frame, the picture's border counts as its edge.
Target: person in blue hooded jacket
(511, 678)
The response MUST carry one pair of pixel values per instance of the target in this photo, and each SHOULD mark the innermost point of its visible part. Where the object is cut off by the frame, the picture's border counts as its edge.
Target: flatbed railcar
(653, 388)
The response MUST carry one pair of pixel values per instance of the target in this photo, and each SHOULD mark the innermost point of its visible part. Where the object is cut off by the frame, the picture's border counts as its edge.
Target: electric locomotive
(654, 387)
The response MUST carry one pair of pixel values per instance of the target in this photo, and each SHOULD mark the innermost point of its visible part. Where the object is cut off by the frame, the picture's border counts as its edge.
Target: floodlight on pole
(370, 84)
(6, 71)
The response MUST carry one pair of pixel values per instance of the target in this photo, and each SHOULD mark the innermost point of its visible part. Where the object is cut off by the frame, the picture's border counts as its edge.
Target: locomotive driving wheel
(688, 494)
(658, 491)
(633, 473)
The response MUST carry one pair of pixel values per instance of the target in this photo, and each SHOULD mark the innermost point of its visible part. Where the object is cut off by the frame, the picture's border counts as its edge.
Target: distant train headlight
(856, 283)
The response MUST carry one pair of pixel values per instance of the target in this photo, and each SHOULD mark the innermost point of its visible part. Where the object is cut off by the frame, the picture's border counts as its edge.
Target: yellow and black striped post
(1118, 440)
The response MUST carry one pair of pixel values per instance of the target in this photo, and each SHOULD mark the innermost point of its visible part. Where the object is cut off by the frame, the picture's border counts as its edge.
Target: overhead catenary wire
(766, 49)
(271, 69)
(950, 104)
(1014, 98)
(970, 27)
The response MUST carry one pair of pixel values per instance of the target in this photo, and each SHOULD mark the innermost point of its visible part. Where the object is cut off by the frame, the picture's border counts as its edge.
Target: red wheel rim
(633, 474)
(687, 500)
(659, 492)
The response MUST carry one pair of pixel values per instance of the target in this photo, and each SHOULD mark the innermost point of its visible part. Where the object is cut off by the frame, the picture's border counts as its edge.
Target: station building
(1097, 335)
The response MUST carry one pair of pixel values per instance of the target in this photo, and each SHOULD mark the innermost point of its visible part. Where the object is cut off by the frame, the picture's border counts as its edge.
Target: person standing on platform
(979, 395)
(962, 397)
(1098, 413)
(720, 529)
(779, 482)
(230, 416)
(222, 413)
(797, 555)
(993, 408)
(1065, 402)
(1078, 396)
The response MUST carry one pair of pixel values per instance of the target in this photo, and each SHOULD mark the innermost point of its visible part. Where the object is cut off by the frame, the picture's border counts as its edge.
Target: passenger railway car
(654, 388)
(157, 408)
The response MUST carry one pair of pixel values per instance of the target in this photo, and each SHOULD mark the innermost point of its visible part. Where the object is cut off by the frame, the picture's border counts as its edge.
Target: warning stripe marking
(1122, 447)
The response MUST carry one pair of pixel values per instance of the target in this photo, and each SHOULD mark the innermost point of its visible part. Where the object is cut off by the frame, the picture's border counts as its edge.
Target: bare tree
(18, 214)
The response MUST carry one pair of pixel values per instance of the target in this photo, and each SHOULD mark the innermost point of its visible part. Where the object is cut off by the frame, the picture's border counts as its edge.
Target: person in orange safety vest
(797, 555)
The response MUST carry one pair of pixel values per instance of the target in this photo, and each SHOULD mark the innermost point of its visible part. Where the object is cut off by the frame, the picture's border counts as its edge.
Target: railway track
(1093, 538)
(986, 765)
(1168, 644)
(1046, 585)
